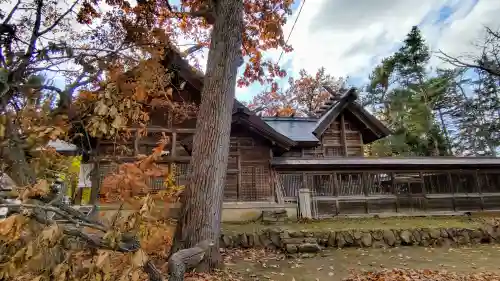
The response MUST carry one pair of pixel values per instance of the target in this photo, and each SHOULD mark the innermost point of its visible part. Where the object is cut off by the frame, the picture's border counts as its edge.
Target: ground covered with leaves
(401, 263)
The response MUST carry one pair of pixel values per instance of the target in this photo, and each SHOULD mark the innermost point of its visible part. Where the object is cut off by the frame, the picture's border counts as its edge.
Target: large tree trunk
(200, 217)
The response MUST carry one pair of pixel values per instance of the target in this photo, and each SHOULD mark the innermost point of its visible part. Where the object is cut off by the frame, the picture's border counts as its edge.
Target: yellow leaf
(19, 255)
(169, 92)
(60, 272)
(135, 276)
(51, 234)
(48, 130)
(11, 226)
(41, 188)
(7, 225)
(125, 275)
(29, 250)
(140, 93)
(38, 278)
(139, 258)
(103, 127)
(118, 122)
(102, 259)
(101, 108)
(2, 131)
(113, 111)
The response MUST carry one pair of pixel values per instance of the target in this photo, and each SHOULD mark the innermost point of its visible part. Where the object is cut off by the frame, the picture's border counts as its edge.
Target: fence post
(305, 203)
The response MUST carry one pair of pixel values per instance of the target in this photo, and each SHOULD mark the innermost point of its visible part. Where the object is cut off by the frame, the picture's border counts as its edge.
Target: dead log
(187, 259)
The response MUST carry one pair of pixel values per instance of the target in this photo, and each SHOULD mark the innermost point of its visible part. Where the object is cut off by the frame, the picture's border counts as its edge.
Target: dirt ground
(336, 264)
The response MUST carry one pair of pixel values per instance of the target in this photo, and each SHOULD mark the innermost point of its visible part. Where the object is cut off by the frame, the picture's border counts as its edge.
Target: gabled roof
(374, 128)
(310, 130)
(335, 109)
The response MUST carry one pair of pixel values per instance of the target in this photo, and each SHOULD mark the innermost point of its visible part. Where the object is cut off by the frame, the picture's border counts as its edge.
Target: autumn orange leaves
(302, 96)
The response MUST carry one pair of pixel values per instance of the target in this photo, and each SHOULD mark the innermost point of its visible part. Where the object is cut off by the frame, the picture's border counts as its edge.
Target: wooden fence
(373, 192)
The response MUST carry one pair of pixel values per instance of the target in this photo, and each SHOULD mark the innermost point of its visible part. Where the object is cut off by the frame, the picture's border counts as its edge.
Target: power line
(293, 26)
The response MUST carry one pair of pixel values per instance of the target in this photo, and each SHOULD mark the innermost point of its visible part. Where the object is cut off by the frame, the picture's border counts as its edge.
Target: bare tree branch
(9, 17)
(19, 72)
(58, 20)
(51, 88)
(460, 63)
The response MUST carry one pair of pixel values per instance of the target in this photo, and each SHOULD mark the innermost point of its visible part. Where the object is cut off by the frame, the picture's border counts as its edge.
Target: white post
(305, 203)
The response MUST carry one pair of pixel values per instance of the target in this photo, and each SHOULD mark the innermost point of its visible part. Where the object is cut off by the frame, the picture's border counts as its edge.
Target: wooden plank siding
(248, 172)
(248, 169)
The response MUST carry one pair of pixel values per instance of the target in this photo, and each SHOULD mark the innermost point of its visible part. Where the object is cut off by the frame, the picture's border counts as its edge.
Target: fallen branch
(187, 259)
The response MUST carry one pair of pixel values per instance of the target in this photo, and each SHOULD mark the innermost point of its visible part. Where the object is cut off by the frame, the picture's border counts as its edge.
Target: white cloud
(350, 37)
(466, 29)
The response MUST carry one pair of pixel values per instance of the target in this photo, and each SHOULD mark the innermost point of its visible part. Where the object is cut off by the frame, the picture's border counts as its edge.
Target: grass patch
(362, 223)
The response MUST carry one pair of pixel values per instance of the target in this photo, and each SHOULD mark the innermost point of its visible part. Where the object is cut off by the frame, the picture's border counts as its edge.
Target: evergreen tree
(401, 92)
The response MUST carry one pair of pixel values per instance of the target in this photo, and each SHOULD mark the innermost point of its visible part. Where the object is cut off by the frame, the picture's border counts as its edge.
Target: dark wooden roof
(387, 163)
(374, 128)
(242, 115)
(245, 116)
(299, 129)
(175, 59)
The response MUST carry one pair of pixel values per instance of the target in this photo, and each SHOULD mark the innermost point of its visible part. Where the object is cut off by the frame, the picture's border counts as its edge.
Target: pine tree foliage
(406, 99)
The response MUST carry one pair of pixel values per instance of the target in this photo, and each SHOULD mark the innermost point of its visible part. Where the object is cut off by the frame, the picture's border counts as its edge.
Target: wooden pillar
(342, 134)
(336, 191)
(424, 190)
(174, 144)
(365, 190)
(362, 148)
(393, 190)
(136, 142)
(254, 182)
(479, 188)
(305, 203)
(238, 176)
(450, 183)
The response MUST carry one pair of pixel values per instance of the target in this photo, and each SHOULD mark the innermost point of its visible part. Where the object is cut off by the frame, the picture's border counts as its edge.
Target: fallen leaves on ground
(421, 275)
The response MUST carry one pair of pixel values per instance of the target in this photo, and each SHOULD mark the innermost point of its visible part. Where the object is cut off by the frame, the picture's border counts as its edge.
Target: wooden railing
(373, 192)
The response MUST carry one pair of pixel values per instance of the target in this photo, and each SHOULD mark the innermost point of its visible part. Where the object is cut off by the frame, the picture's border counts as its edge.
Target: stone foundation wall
(308, 241)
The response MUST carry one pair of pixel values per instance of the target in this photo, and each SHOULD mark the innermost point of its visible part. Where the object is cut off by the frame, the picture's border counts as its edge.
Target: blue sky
(349, 38)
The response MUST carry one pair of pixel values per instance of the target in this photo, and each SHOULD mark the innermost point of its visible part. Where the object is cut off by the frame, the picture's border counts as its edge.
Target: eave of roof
(421, 163)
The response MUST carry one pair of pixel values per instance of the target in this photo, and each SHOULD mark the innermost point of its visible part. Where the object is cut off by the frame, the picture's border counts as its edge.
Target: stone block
(309, 248)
